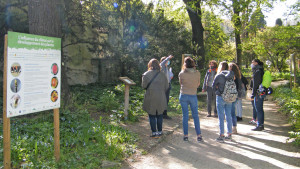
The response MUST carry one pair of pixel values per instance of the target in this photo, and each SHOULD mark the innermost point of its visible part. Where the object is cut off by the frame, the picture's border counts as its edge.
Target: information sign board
(33, 73)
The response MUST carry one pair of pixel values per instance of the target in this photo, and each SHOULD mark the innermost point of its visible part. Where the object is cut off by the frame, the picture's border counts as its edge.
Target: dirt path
(249, 149)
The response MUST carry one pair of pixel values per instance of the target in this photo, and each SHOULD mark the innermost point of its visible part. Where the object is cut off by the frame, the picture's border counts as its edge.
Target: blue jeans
(259, 107)
(222, 107)
(254, 111)
(185, 101)
(239, 108)
(156, 120)
(233, 116)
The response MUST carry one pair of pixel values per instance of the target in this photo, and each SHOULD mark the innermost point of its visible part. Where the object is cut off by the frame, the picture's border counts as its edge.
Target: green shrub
(289, 100)
(280, 76)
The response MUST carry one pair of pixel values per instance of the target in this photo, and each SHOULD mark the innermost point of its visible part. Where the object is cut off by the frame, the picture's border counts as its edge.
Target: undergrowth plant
(84, 143)
(289, 101)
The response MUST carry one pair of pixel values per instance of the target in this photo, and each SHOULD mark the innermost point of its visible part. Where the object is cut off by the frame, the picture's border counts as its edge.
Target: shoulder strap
(151, 80)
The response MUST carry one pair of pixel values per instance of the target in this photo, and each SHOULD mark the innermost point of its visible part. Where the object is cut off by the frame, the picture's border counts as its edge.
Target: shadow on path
(248, 149)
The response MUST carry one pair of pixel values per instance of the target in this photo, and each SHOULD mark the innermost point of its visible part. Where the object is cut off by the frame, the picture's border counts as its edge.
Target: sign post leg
(126, 105)
(56, 135)
(6, 121)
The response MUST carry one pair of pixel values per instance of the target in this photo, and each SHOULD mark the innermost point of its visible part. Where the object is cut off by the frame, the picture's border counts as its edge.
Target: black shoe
(199, 139)
(154, 135)
(185, 138)
(209, 115)
(258, 128)
(239, 118)
(167, 117)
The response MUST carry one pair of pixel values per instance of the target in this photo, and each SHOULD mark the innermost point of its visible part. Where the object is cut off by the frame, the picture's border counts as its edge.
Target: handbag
(151, 80)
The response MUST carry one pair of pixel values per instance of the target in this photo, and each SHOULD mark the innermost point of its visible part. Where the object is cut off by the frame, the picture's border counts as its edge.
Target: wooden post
(126, 105)
(127, 82)
(56, 135)
(6, 121)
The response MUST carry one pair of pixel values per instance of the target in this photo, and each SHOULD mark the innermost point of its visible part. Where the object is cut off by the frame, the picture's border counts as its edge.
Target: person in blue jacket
(164, 63)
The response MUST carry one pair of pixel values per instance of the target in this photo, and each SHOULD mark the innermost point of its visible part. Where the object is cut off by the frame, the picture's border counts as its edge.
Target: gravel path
(248, 149)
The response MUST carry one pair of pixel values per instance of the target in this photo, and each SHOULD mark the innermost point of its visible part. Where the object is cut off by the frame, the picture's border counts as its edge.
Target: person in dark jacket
(207, 86)
(254, 113)
(155, 101)
(222, 106)
(238, 83)
(258, 72)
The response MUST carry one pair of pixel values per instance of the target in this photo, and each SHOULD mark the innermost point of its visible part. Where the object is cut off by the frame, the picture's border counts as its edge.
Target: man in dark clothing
(258, 72)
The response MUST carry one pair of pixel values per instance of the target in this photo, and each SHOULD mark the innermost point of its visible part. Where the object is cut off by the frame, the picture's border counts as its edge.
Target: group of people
(157, 82)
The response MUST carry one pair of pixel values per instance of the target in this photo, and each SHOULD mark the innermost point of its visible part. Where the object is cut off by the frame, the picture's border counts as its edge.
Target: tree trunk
(237, 29)
(44, 19)
(198, 30)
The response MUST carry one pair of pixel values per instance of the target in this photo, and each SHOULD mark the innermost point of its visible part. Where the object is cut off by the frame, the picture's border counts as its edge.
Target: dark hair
(258, 61)
(162, 59)
(153, 65)
(236, 70)
(188, 63)
(222, 66)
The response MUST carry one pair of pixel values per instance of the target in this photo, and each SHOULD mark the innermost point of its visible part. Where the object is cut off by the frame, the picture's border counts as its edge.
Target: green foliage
(96, 97)
(280, 76)
(275, 44)
(84, 143)
(216, 46)
(289, 101)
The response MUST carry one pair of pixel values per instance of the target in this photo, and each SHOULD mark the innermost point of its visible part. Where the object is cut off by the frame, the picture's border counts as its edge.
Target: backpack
(230, 93)
(267, 79)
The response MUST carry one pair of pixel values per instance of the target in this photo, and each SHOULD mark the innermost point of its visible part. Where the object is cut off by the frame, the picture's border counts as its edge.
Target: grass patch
(84, 142)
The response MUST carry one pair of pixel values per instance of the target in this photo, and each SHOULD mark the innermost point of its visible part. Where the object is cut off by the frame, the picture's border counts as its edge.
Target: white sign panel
(33, 73)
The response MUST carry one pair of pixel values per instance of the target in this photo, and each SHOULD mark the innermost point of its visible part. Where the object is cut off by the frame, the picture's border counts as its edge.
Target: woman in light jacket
(155, 103)
(189, 79)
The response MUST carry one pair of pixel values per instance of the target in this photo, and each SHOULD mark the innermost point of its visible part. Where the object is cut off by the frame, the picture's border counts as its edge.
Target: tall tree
(237, 29)
(45, 19)
(276, 44)
(278, 22)
(194, 11)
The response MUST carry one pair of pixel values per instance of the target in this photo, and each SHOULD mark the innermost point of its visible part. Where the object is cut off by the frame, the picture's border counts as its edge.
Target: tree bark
(44, 18)
(197, 30)
(237, 30)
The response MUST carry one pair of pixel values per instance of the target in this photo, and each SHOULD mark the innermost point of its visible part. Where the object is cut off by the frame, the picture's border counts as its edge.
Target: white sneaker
(234, 130)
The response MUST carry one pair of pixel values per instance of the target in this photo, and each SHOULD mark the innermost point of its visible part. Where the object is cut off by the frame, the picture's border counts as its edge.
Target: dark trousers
(254, 115)
(167, 96)
(259, 107)
(156, 120)
(211, 100)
